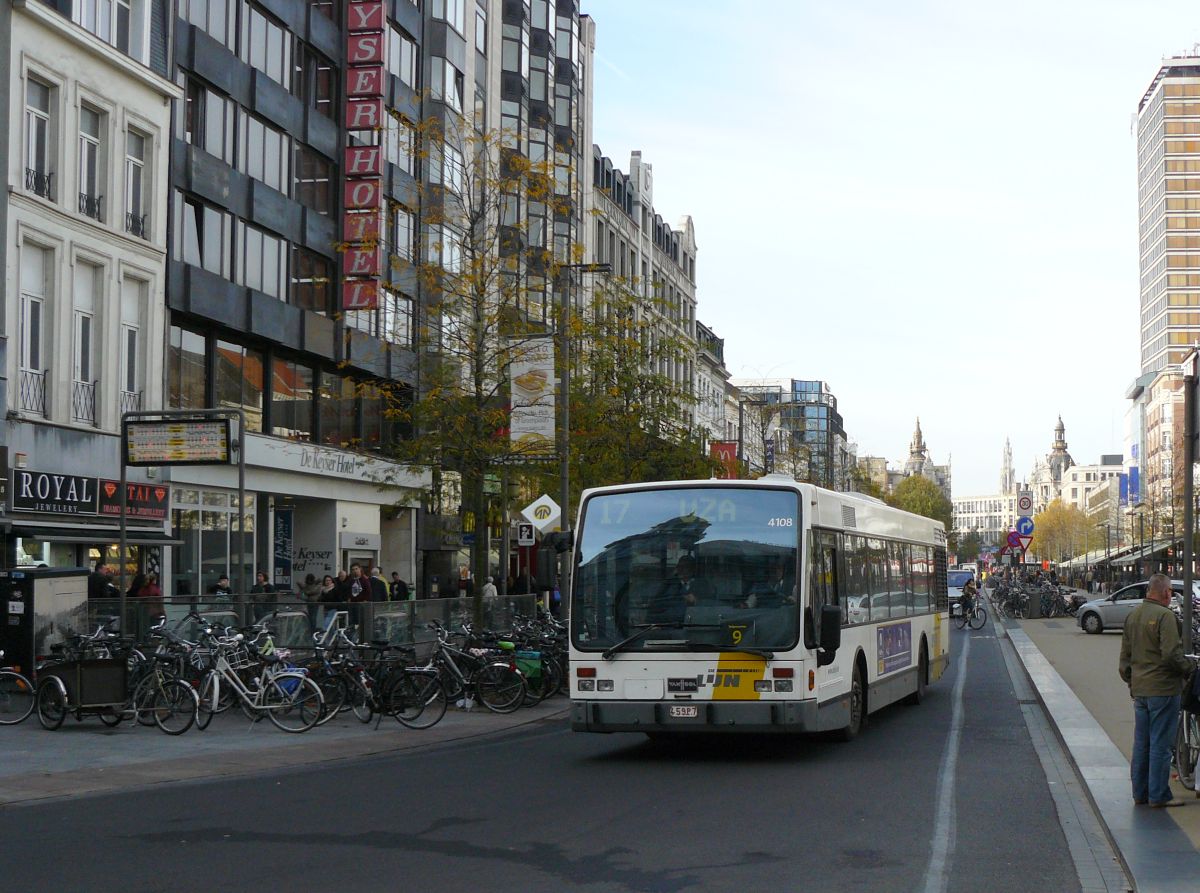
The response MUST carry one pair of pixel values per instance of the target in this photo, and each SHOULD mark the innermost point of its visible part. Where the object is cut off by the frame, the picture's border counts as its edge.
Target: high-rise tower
(1169, 212)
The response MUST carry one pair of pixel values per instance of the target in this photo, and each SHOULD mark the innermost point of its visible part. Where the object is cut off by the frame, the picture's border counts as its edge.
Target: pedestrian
(262, 590)
(1090, 580)
(1153, 665)
(328, 598)
(152, 597)
(359, 591)
(100, 583)
(310, 591)
(221, 592)
(379, 587)
(489, 588)
(466, 586)
(399, 589)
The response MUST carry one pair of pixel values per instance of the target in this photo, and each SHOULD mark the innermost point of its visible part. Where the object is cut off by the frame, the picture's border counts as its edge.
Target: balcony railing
(135, 225)
(39, 183)
(91, 205)
(33, 390)
(131, 401)
(83, 401)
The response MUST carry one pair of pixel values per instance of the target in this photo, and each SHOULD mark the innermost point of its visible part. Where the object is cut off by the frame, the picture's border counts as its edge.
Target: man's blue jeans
(1155, 721)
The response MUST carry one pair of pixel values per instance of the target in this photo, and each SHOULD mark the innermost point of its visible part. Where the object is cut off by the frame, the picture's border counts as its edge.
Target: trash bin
(1033, 608)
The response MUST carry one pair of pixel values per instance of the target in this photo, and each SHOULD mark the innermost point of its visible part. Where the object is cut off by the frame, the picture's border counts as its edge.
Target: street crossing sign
(525, 534)
(1025, 526)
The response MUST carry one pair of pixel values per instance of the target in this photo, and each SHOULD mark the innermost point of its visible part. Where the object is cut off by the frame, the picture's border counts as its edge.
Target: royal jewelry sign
(48, 492)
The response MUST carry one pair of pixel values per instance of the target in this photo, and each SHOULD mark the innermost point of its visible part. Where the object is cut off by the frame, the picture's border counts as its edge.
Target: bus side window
(824, 584)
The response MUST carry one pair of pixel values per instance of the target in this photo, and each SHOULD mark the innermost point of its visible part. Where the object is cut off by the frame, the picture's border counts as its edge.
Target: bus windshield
(704, 568)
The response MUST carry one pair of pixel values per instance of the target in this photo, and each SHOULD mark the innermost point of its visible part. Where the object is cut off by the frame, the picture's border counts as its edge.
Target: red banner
(725, 452)
(141, 500)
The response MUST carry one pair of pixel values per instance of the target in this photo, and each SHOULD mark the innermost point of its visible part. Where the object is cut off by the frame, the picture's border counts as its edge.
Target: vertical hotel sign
(362, 199)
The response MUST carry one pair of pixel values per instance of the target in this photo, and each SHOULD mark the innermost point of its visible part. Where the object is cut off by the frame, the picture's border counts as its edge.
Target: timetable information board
(187, 442)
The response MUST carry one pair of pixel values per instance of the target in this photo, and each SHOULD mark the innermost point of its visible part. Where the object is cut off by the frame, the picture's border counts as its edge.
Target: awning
(1141, 554)
(94, 533)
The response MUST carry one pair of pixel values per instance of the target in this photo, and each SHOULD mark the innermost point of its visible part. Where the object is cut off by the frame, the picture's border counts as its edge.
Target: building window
(291, 400)
(203, 236)
(266, 45)
(445, 247)
(446, 83)
(338, 407)
(397, 322)
(404, 233)
(400, 145)
(38, 176)
(314, 82)
(31, 358)
(265, 153)
(107, 19)
(207, 121)
(135, 174)
(83, 391)
(186, 369)
(133, 300)
(514, 49)
(314, 179)
(239, 382)
(452, 12)
(402, 57)
(480, 30)
(312, 281)
(90, 176)
(262, 260)
(216, 17)
(446, 167)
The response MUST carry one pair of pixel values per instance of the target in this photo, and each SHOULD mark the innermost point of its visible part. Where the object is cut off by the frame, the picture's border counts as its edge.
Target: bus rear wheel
(858, 707)
(922, 678)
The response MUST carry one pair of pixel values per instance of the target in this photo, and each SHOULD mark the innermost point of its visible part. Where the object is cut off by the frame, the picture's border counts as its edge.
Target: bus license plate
(685, 711)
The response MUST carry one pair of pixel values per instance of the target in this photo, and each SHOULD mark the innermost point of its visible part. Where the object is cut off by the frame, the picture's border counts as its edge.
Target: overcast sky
(930, 205)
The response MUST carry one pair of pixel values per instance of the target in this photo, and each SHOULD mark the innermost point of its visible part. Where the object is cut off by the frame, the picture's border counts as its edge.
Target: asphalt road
(544, 809)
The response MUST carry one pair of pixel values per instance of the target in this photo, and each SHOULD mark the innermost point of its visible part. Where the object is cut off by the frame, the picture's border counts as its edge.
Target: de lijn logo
(542, 512)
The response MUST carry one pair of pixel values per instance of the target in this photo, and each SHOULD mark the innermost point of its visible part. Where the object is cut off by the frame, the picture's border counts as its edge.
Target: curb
(1156, 854)
(34, 789)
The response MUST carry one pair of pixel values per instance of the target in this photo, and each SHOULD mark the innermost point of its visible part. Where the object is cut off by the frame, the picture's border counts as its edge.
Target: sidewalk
(88, 758)
(1075, 675)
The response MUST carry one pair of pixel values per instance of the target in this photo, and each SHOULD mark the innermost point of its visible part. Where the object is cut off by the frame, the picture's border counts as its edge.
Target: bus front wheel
(858, 706)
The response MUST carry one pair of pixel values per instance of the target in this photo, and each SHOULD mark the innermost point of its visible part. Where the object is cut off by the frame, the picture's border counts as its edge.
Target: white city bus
(756, 606)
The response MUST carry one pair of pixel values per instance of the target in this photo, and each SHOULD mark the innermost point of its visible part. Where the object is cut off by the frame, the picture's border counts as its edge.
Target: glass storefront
(207, 521)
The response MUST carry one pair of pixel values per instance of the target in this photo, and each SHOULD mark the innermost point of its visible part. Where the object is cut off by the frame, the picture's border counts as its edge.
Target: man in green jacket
(1153, 665)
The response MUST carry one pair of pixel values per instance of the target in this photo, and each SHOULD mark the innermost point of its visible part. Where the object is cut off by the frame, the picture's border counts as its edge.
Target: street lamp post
(564, 432)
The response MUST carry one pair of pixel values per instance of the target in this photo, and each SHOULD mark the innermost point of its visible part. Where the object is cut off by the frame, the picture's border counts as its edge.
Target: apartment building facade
(88, 107)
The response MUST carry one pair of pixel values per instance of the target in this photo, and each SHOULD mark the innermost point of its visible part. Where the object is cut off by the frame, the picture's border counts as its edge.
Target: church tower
(1008, 478)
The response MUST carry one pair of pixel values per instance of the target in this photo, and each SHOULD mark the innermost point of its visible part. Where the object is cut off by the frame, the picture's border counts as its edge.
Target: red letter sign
(361, 295)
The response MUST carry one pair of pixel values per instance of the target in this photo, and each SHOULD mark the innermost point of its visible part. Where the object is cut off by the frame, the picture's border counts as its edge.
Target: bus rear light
(587, 684)
(585, 672)
(812, 680)
(604, 685)
(783, 672)
(762, 684)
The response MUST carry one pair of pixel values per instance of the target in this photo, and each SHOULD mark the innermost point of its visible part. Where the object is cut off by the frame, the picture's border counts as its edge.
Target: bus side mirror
(831, 634)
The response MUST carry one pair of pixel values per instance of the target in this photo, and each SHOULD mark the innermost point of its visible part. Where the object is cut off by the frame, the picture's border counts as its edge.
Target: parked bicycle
(16, 696)
(474, 673)
(1187, 738)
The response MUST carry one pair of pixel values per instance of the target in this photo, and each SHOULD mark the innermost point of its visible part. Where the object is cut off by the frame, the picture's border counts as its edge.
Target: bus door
(823, 590)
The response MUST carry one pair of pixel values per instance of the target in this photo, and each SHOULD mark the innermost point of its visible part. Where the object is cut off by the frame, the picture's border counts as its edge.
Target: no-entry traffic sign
(1014, 540)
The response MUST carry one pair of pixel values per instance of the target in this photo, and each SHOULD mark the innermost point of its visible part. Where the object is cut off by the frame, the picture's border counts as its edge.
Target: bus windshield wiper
(629, 640)
(741, 649)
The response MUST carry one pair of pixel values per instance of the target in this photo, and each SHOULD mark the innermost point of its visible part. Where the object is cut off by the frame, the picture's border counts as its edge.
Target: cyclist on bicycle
(968, 597)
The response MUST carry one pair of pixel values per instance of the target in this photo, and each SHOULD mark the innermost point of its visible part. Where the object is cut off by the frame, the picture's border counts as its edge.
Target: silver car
(1110, 611)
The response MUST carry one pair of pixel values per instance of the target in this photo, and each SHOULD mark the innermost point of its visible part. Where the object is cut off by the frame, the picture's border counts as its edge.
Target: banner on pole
(531, 371)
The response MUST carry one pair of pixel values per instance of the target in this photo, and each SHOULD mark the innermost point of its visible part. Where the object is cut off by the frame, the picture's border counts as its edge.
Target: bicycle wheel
(1187, 749)
(142, 700)
(362, 703)
(417, 700)
(51, 705)
(335, 691)
(500, 688)
(978, 617)
(206, 701)
(174, 706)
(450, 683)
(960, 619)
(293, 702)
(16, 698)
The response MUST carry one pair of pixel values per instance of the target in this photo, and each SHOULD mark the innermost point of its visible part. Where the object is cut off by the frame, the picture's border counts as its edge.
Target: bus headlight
(762, 684)
(587, 684)
(604, 685)
(783, 685)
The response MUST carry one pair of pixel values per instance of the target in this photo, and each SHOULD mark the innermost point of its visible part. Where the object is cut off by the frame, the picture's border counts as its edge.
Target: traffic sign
(1023, 542)
(1025, 502)
(524, 534)
(1014, 540)
(1025, 526)
(543, 513)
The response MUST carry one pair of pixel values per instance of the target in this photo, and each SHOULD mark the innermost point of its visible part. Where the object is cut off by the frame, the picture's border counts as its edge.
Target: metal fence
(293, 621)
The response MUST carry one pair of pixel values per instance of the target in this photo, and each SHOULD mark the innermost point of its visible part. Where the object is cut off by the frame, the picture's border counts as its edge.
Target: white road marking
(937, 873)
